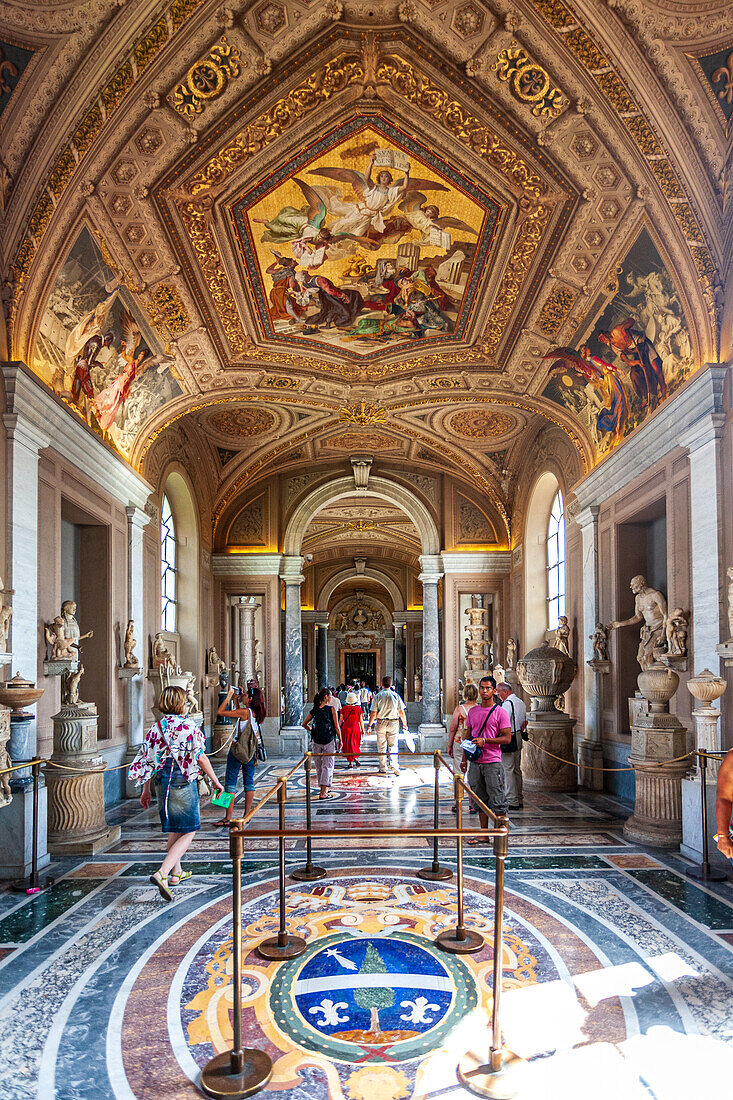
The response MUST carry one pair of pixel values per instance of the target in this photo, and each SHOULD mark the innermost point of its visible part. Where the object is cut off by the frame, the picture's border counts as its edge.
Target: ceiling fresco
(540, 272)
(366, 239)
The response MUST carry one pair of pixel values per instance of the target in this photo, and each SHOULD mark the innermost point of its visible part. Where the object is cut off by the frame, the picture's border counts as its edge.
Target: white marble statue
(70, 687)
(599, 638)
(675, 632)
(562, 635)
(6, 614)
(511, 653)
(193, 703)
(71, 626)
(650, 608)
(6, 796)
(161, 654)
(129, 646)
(62, 648)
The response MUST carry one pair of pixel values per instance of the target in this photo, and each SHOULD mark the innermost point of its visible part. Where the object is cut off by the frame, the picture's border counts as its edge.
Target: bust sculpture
(129, 646)
(599, 638)
(650, 608)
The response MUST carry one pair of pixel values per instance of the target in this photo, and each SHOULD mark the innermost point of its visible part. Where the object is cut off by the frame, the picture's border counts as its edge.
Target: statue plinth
(676, 662)
(725, 652)
(129, 672)
(58, 668)
(76, 821)
(658, 738)
(600, 666)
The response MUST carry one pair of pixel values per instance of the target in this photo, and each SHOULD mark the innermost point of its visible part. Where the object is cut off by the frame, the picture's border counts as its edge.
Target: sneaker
(519, 806)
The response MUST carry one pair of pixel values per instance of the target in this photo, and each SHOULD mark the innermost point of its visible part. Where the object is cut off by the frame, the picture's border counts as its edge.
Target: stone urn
(706, 687)
(545, 673)
(658, 684)
(18, 693)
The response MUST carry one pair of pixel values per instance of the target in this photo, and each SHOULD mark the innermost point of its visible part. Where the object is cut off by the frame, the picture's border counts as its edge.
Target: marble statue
(214, 661)
(259, 673)
(650, 608)
(161, 654)
(129, 646)
(511, 653)
(730, 602)
(341, 622)
(417, 682)
(675, 632)
(61, 646)
(70, 687)
(562, 635)
(6, 614)
(6, 796)
(68, 612)
(599, 638)
(193, 703)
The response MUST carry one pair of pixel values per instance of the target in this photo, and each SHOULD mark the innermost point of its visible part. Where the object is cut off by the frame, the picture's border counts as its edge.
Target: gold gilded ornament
(363, 413)
(170, 310)
(529, 82)
(207, 79)
(556, 309)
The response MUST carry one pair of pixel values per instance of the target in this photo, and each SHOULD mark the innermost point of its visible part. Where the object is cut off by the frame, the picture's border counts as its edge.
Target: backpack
(245, 745)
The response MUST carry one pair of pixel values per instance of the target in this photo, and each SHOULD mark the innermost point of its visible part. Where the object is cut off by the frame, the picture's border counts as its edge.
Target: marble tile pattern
(610, 952)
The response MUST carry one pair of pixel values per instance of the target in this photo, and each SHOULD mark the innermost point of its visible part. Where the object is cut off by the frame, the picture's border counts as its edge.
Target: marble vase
(545, 673)
(76, 819)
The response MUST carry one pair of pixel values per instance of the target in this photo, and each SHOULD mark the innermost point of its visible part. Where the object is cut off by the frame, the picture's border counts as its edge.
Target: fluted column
(137, 520)
(292, 734)
(432, 730)
(246, 607)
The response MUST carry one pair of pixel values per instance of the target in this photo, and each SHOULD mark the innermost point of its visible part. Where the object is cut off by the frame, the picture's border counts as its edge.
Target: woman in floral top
(173, 754)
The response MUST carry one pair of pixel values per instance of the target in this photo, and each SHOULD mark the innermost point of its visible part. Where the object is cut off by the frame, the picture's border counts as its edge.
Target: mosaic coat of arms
(365, 241)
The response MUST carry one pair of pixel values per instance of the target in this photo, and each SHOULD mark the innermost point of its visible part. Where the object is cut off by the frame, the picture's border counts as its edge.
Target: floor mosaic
(617, 970)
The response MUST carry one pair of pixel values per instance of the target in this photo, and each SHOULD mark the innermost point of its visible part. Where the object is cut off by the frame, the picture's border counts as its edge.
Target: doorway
(361, 666)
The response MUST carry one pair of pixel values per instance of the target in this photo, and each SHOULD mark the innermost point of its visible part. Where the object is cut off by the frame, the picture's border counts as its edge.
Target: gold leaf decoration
(170, 310)
(529, 82)
(207, 79)
(556, 309)
(363, 413)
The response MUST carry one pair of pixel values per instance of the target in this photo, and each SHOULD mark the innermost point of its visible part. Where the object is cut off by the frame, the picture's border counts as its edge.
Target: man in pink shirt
(488, 725)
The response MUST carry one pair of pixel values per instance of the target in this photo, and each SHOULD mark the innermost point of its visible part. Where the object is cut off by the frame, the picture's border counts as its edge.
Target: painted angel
(427, 219)
(370, 217)
(109, 402)
(612, 417)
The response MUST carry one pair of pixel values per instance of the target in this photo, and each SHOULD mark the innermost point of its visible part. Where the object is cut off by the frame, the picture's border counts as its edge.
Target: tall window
(556, 562)
(167, 568)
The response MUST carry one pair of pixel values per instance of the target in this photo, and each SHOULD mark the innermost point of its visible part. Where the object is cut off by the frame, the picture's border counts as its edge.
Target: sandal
(162, 883)
(222, 822)
(176, 880)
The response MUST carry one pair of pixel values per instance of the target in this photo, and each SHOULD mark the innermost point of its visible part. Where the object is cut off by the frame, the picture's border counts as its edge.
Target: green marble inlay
(21, 925)
(541, 863)
(201, 867)
(707, 910)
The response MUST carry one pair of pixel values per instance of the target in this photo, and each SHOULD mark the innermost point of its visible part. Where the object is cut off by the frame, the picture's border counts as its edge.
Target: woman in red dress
(352, 727)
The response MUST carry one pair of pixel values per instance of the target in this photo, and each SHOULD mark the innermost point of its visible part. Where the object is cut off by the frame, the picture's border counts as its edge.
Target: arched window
(556, 562)
(167, 568)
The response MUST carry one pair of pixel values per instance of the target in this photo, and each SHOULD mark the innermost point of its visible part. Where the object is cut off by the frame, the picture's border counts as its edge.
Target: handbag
(245, 748)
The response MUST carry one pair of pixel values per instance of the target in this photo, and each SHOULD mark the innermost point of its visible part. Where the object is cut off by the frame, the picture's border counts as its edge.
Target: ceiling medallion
(242, 423)
(481, 424)
(207, 79)
(529, 82)
(363, 413)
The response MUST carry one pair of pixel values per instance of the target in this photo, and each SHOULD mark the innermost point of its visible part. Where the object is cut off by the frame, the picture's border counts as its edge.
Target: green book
(222, 798)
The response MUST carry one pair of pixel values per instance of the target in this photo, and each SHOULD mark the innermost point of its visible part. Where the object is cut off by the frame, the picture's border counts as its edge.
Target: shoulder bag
(512, 746)
(244, 746)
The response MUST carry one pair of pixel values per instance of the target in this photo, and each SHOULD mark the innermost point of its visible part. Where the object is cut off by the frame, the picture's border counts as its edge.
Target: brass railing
(244, 1071)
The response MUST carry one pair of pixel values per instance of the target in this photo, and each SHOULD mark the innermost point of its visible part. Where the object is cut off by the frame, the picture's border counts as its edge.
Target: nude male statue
(650, 607)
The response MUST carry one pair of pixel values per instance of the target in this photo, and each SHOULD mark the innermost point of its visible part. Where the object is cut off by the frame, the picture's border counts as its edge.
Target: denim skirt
(178, 801)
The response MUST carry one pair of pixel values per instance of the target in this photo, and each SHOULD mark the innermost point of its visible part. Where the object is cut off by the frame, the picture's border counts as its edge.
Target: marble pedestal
(656, 739)
(76, 821)
(432, 737)
(16, 834)
(293, 741)
(691, 845)
(590, 761)
(553, 732)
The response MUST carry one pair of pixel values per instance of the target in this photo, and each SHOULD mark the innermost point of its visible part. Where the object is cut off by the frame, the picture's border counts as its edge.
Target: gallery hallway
(617, 969)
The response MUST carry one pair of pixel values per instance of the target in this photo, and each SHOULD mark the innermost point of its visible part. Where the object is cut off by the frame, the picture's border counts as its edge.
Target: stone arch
(345, 575)
(380, 487)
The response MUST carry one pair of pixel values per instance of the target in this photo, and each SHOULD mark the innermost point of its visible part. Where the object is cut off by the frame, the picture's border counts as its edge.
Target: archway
(535, 558)
(351, 574)
(186, 524)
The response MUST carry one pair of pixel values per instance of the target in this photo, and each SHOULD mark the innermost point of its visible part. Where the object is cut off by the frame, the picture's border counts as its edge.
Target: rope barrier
(591, 768)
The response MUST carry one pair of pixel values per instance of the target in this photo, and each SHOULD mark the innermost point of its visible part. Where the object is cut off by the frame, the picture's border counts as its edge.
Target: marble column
(293, 737)
(590, 750)
(432, 730)
(247, 606)
(234, 665)
(25, 438)
(137, 520)
(322, 652)
(399, 658)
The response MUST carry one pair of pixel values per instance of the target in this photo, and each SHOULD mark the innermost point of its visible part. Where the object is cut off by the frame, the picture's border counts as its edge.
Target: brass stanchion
(460, 940)
(436, 873)
(310, 871)
(282, 946)
(491, 1078)
(705, 872)
(238, 1072)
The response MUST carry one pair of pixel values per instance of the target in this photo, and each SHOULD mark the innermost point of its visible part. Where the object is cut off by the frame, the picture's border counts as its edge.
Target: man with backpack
(511, 754)
(488, 726)
(388, 711)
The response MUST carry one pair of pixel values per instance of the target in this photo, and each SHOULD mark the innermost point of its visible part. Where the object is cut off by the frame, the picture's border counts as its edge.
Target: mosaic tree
(374, 997)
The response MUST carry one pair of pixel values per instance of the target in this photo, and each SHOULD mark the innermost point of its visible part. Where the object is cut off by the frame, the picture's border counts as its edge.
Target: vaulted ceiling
(566, 164)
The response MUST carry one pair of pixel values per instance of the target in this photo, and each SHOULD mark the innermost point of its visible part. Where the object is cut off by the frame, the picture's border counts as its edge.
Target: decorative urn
(18, 693)
(545, 673)
(658, 684)
(706, 687)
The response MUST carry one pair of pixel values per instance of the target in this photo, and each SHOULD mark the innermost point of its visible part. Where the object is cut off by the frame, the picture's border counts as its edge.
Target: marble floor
(617, 970)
